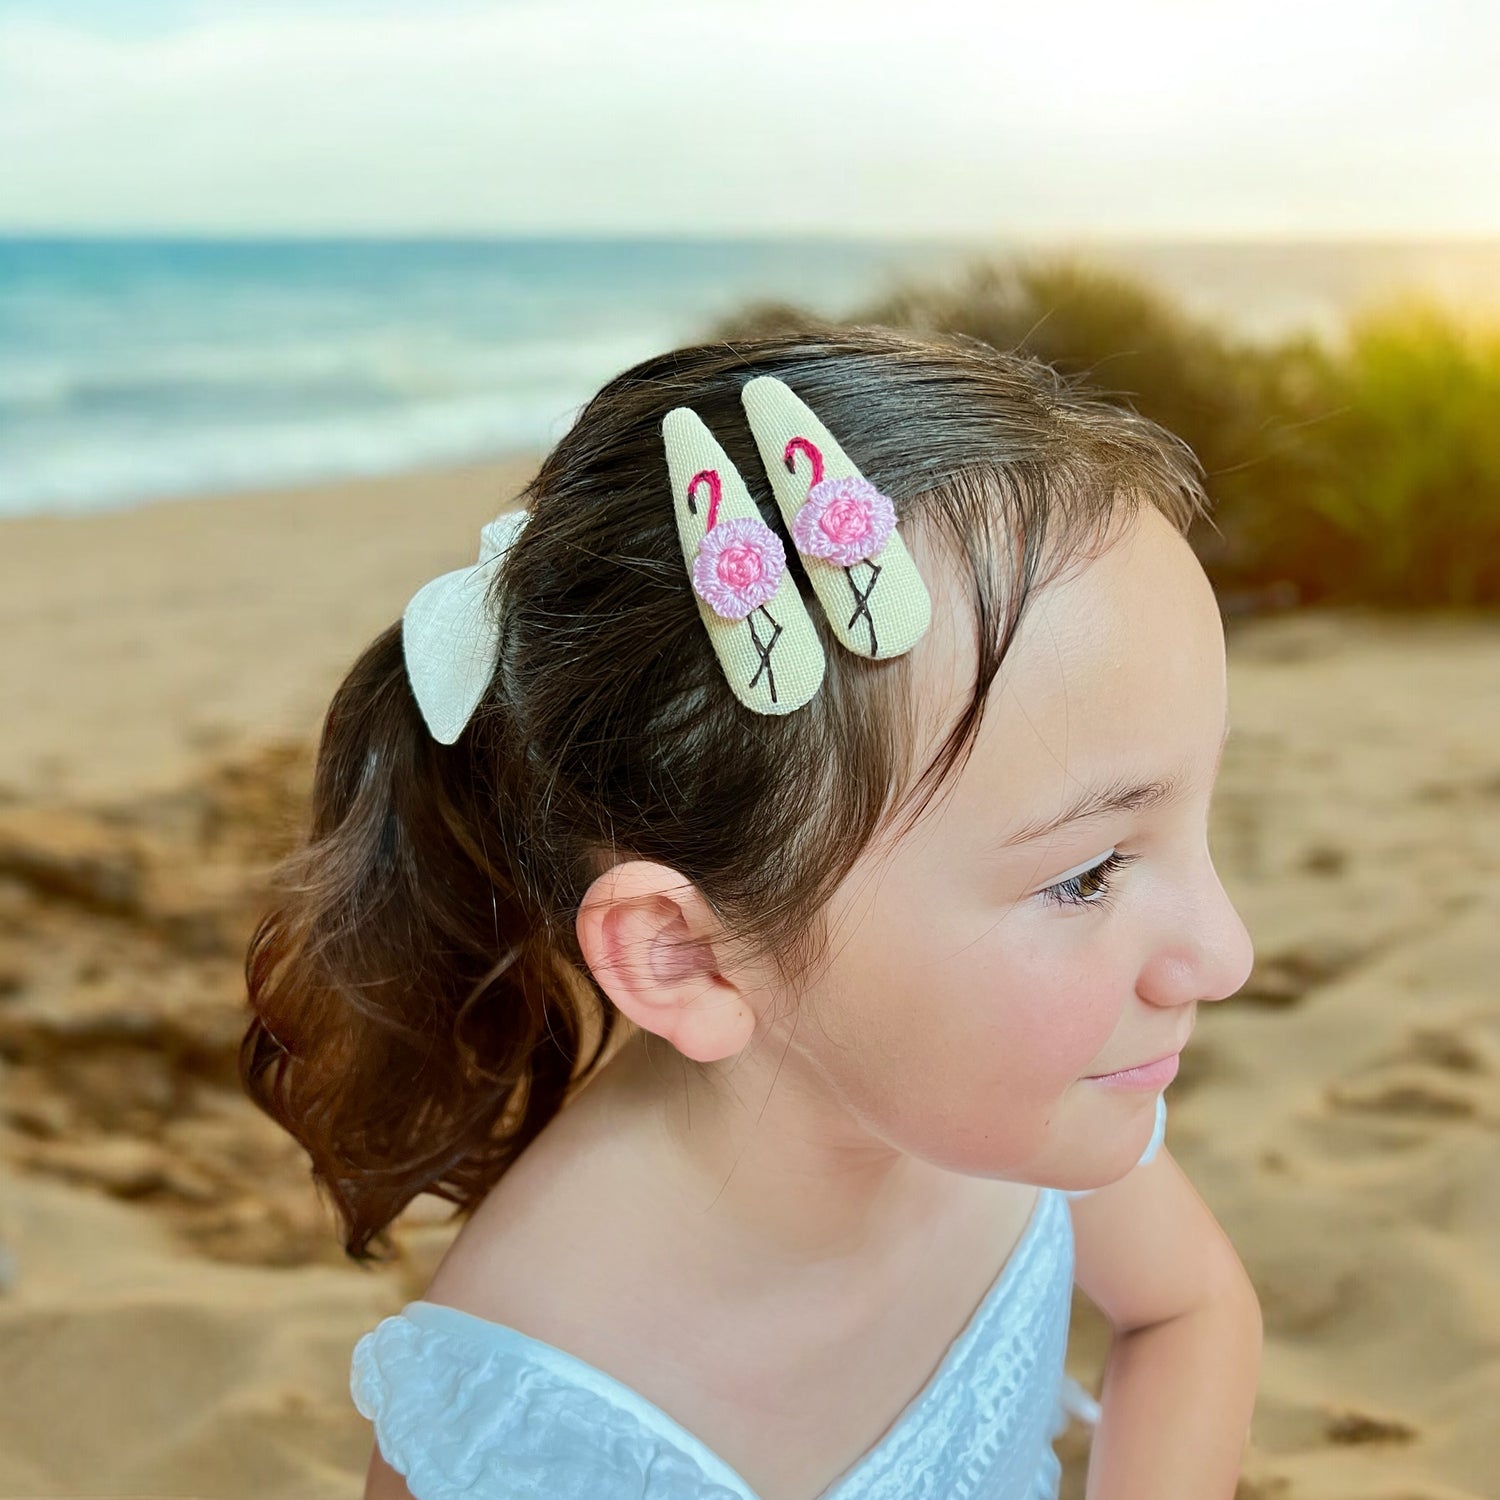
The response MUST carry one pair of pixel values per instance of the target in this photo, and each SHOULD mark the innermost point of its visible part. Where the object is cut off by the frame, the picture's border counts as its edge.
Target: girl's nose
(1207, 956)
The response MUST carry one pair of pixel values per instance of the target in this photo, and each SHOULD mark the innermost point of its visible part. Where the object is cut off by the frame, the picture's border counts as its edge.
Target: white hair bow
(450, 637)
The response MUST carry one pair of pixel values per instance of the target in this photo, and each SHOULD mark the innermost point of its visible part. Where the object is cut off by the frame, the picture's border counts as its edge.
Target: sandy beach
(176, 1316)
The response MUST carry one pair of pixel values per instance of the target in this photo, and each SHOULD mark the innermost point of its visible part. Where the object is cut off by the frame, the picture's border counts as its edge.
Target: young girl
(784, 1015)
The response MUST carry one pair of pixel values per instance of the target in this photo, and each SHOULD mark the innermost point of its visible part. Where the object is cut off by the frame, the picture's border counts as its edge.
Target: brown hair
(420, 1006)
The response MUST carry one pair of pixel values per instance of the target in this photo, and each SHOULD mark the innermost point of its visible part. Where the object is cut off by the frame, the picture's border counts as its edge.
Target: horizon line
(638, 236)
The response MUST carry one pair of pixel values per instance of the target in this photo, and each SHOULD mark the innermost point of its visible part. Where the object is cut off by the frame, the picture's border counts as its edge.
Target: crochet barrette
(842, 526)
(750, 605)
(449, 636)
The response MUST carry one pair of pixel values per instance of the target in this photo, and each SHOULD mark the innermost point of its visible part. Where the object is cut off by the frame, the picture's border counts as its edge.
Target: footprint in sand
(1485, 787)
(1324, 859)
(1409, 1094)
(1284, 979)
(1446, 1049)
(1300, 1298)
(1435, 1073)
(1350, 1427)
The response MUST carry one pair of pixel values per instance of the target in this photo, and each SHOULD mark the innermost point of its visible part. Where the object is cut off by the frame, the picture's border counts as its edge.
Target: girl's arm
(1180, 1380)
(382, 1482)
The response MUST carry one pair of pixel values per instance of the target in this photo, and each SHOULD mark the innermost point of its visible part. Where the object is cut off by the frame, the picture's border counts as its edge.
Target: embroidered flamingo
(846, 521)
(737, 569)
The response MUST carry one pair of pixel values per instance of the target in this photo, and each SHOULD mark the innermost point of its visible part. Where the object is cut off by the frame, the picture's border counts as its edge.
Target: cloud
(749, 115)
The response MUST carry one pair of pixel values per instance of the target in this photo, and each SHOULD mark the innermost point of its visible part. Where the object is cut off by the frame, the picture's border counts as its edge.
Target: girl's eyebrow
(1117, 796)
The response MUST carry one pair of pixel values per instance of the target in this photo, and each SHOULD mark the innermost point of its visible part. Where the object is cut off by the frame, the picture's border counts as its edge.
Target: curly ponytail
(414, 1026)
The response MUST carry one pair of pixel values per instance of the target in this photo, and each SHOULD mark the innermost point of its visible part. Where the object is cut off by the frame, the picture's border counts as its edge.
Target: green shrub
(1408, 474)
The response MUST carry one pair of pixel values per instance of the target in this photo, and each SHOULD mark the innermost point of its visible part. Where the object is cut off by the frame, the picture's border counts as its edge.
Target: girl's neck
(777, 1176)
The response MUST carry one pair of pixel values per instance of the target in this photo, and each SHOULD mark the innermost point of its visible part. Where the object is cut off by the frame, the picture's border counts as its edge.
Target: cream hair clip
(843, 528)
(750, 605)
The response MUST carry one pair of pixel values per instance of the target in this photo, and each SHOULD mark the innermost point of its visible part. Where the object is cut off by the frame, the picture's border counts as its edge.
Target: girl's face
(981, 971)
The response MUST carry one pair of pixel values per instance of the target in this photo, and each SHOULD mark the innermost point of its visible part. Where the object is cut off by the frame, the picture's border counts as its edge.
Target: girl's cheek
(1063, 1020)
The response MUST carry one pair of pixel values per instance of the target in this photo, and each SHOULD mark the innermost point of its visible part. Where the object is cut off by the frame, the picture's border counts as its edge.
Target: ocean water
(132, 369)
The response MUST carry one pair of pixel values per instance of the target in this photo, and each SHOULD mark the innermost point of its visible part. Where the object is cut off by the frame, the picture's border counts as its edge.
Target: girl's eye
(1075, 891)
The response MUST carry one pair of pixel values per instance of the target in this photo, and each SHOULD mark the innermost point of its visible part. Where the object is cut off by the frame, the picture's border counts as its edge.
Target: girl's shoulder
(510, 1347)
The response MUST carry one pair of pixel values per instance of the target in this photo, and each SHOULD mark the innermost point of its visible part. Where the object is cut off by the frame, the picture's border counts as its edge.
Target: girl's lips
(1155, 1075)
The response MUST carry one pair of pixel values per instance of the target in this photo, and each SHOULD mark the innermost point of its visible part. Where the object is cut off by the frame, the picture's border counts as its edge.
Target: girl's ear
(648, 936)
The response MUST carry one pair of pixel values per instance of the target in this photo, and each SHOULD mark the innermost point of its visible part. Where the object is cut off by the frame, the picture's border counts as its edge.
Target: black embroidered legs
(764, 649)
(861, 602)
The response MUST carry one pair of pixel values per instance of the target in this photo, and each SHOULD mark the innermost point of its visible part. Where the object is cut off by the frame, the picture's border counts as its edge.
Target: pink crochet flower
(844, 520)
(738, 566)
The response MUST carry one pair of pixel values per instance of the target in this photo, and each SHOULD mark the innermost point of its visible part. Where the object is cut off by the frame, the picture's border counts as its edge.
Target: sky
(1126, 118)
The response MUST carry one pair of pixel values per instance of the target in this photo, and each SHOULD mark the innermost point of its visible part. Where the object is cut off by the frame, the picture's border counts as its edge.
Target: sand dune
(176, 1317)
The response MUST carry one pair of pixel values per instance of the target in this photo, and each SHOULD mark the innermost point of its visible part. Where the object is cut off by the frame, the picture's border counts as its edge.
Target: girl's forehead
(1117, 667)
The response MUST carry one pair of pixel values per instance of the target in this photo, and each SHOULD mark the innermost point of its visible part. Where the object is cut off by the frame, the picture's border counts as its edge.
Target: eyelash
(1068, 892)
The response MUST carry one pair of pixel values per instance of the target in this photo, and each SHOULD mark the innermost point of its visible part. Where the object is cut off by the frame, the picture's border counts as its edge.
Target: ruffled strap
(466, 1409)
(1158, 1135)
